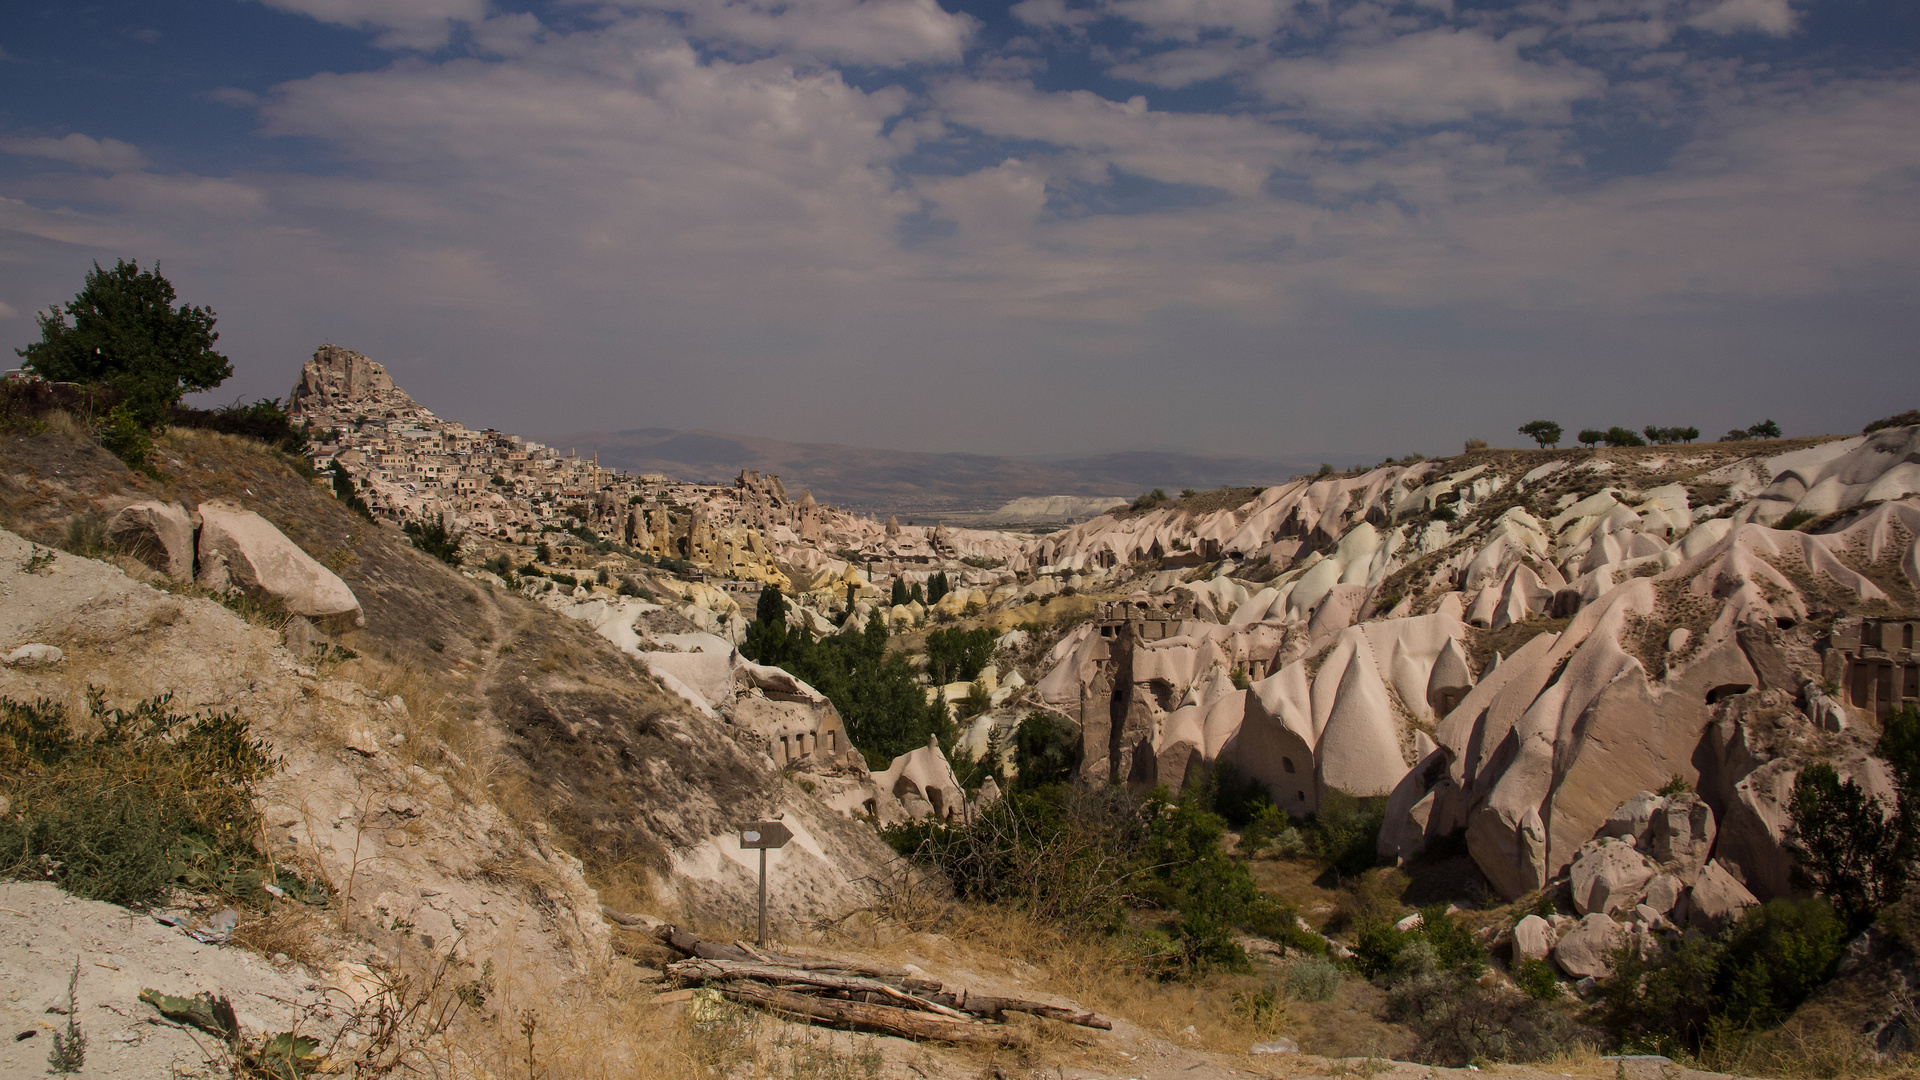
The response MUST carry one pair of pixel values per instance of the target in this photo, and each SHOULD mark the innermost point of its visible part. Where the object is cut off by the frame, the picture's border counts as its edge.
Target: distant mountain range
(909, 482)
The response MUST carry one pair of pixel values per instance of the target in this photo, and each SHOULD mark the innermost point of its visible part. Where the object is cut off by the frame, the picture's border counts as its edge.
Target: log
(715, 970)
(690, 945)
(984, 1005)
(885, 1019)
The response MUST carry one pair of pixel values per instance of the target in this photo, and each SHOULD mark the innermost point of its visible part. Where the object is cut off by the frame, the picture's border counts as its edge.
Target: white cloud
(111, 155)
(7, 311)
(1185, 20)
(1775, 17)
(401, 24)
(870, 33)
(1176, 68)
(1054, 15)
(1431, 77)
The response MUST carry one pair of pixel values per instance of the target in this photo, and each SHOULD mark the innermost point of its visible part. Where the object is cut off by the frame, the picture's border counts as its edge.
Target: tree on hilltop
(1591, 436)
(1619, 436)
(1544, 432)
(127, 335)
(1765, 429)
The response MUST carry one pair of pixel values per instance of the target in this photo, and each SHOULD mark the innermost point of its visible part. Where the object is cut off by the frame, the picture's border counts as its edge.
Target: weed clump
(153, 798)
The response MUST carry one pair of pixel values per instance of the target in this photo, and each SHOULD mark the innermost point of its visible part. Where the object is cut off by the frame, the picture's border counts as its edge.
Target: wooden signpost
(764, 836)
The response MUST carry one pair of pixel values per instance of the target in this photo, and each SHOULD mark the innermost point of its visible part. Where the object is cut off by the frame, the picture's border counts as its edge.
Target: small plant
(1795, 519)
(1536, 979)
(433, 538)
(125, 437)
(70, 1046)
(1475, 444)
(1150, 499)
(39, 562)
(1675, 785)
(86, 536)
(1314, 978)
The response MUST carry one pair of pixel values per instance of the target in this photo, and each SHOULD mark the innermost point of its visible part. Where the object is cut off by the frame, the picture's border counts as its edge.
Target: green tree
(1544, 432)
(126, 334)
(1044, 751)
(767, 636)
(899, 597)
(1844, 846)
(1765, 429)
(1619, 436)
(937, 587)
(1591, 436)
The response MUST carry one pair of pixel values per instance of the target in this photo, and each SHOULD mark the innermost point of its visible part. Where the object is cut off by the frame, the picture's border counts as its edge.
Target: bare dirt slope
(551, 721)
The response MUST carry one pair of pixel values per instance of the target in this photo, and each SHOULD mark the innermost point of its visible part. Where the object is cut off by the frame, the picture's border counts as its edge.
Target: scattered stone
(35, 655)
(1277, 1046)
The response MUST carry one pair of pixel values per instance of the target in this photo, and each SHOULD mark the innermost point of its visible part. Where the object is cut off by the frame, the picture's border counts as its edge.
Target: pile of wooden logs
(867, 997)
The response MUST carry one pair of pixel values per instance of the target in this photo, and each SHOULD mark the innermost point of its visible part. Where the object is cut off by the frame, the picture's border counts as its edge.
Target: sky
(1295, 229)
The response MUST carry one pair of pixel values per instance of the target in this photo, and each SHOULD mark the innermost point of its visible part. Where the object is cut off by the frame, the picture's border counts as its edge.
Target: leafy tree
(1844, 846)
(899, 597)
(937, 587)
(883, 706)
(766, 640)
(958, 655)
(434, 538)
(1765, 429)
(1044, 751)
(1685, 434)
(1156, 497)
(1544, 432)
(916, 595)
(1591, 436)
(1619, 436)
(126, 334)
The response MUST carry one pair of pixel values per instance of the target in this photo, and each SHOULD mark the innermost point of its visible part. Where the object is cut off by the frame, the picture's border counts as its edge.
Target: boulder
(1682, 834)
(1583, 952)
(35, 654)
(158, 534)
(1633, 817)
(1663, 893)
(1532, 937)
(1610, 875)
(241, 550)
(1716, 899)
(1752, 842)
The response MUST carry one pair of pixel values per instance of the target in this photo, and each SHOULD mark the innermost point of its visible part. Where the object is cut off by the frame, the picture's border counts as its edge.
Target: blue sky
(1341, 228)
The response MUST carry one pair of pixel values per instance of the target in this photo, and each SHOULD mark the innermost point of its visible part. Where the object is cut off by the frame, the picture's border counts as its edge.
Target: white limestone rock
(158, 534)
(1532, 938)
(1583, 952)
(1717, 899)
(1610, 875)
(35, 654)
(241, 550)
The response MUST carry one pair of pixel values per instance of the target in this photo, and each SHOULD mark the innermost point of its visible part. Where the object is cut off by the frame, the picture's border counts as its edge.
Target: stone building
(1873, 663)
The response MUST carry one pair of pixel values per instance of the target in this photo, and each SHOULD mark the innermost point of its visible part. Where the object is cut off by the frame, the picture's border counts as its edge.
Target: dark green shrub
(958, 655)
(1045, 751)
(1536, 979)
(1843, 846)
(433, 538)
(123, 435)
(1149, 500)
(1345, 833)
(1905, 419)
(151, 799)
(344, 490)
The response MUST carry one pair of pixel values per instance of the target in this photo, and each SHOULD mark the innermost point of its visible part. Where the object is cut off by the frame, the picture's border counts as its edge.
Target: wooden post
(764, 835)
(762, 939)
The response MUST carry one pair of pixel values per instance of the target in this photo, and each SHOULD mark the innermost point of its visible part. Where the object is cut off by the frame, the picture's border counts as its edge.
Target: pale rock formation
(1663, 893)
(1450, 681)
(239, 549)
(1584, 950)
(923, 783)
(1532, 938)
(35, 654)
(158, 534)
(1610, 875)
(1716, 899)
